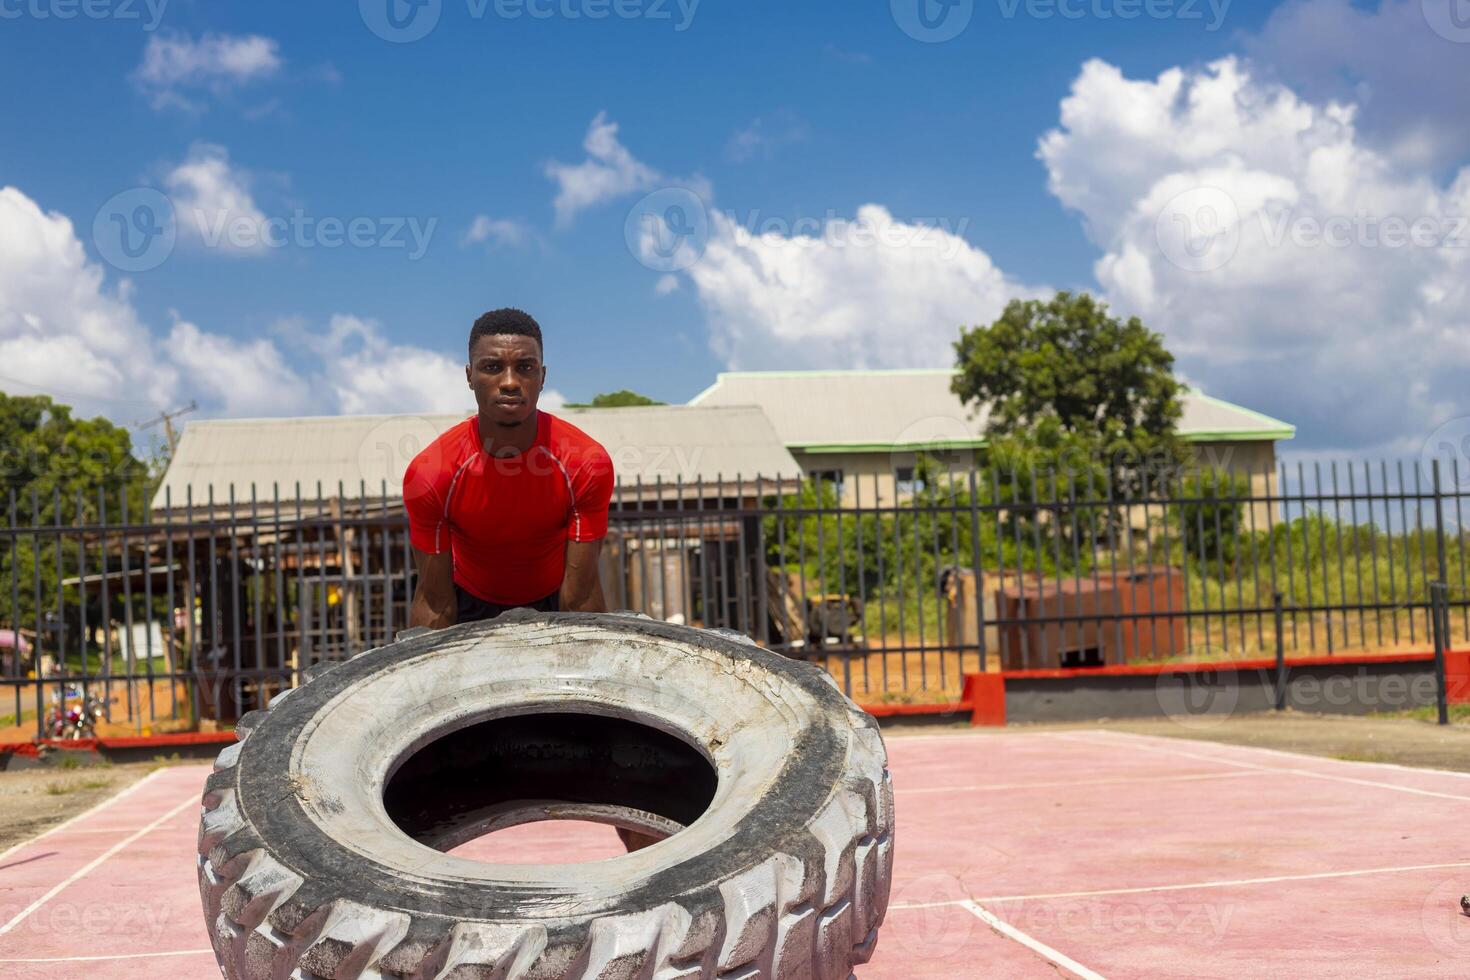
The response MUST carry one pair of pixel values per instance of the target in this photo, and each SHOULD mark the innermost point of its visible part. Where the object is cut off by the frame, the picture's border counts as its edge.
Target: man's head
(505, 371)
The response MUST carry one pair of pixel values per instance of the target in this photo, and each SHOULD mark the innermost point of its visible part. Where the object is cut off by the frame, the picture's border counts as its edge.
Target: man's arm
(581, 589)
(434, 603)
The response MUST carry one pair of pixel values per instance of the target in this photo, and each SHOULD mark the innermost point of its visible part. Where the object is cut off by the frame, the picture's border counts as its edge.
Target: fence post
(1444, 571)
(1439, 613)
(1280, 652)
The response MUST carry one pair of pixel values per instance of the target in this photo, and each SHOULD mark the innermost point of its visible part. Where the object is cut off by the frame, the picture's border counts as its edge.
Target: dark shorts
(471, 608)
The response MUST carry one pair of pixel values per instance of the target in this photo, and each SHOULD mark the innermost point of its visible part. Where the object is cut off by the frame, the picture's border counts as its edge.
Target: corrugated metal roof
(853, 411)
(367, 454)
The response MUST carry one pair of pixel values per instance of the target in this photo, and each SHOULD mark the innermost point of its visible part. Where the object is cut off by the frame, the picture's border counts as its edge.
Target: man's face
(506, 374)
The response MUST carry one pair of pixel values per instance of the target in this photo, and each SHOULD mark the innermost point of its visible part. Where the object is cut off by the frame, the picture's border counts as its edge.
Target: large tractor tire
(324, 837)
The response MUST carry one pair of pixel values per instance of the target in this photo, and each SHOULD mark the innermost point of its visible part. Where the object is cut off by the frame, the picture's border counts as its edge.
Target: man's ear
(468, 377)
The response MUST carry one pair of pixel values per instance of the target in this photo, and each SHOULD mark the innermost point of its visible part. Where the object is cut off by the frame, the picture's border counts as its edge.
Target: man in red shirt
(508, 508)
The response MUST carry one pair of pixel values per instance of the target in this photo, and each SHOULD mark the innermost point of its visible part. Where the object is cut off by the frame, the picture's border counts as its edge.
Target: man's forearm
(578, 597)
(435, 612)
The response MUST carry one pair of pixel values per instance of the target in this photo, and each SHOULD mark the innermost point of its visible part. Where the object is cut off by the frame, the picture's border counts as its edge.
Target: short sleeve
(425, 506)
(592, 489)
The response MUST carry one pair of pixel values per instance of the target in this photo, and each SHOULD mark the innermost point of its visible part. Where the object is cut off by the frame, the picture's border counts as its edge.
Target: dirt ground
(31, 800)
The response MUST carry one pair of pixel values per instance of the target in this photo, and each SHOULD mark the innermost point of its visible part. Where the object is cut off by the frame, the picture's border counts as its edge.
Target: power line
(48, 390)
(167, 418)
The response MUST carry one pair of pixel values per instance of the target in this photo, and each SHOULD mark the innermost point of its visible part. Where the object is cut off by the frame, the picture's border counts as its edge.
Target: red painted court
(1020, 854)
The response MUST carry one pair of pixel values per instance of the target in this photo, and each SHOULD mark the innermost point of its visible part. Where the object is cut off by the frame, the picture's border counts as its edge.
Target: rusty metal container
(1103, 618)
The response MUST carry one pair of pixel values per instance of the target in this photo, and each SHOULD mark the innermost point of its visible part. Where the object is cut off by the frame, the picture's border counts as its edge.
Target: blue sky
(779, 117)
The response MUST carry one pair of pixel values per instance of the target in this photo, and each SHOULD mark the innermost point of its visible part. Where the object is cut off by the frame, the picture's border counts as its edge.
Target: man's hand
(434, 603)
(581, 589)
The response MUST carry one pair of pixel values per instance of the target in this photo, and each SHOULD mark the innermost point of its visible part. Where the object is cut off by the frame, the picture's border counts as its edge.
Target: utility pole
(167, 418)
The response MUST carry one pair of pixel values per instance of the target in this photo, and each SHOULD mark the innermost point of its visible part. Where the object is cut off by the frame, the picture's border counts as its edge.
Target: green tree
(1071, 387)
(617, 399)
(57, 469)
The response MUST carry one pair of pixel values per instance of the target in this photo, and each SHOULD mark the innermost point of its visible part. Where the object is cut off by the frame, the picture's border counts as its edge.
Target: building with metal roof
(863, 429)
(363, 457)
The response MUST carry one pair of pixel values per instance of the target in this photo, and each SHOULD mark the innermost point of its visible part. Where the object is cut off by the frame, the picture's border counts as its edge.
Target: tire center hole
(498, 776)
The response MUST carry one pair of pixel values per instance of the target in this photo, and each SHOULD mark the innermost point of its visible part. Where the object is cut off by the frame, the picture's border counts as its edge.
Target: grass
(1459, 714)
(61, 789)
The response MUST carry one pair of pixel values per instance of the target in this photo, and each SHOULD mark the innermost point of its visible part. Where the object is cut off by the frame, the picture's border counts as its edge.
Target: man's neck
(508, 440)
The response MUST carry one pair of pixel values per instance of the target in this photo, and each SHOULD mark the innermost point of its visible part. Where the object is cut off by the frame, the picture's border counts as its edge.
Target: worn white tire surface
(784, 873)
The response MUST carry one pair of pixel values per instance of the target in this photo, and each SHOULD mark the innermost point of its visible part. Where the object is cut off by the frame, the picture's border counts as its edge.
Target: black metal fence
(194, 611)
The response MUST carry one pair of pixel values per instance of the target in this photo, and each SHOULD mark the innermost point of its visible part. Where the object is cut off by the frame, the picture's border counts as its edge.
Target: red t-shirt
(507, 519)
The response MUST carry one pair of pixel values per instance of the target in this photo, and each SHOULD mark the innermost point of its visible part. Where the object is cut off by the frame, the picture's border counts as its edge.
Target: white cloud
(764, 135)
(870, 292)
(500, 231)
(367, 374)
(609, 172)
(213, 203)
(216, 63)
(238, 378)
(1406, 79)
(666, 285)
(1252, 227)
(63, 332)
(551, 400)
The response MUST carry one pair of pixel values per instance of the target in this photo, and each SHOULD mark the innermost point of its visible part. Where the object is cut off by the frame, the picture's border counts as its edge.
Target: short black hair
(506, 321)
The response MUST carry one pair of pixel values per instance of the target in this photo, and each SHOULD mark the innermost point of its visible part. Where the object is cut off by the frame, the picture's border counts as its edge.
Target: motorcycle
(74, 720)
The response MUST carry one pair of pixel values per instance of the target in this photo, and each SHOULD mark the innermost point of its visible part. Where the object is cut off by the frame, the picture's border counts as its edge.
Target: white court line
(1189, 886)
(1030, 942)
(1149, 746)
(20, 917)
(85, 813)
(120, 956)
(1430, 770)
(1134, 781)
(100, 830)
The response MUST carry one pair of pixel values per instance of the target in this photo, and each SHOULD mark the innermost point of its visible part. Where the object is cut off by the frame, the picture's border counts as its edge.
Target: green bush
(1211, 521)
